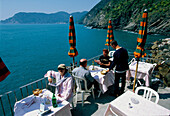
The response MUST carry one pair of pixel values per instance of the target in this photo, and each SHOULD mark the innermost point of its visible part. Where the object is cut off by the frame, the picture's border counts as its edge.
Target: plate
(103, 72)
(134, 100)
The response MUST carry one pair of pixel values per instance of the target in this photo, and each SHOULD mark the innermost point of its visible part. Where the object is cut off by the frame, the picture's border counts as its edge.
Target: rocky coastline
(160, 51)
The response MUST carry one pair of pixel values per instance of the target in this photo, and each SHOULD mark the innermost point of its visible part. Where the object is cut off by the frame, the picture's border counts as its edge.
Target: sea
(30, 50)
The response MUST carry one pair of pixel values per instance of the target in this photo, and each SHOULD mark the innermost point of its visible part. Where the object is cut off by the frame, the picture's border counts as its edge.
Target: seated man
(64, 83)
(104, 61)
(84, 73)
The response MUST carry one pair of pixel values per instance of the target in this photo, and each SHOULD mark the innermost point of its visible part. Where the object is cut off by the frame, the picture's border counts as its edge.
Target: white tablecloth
(143, 72)
(123, 105)
(63, 108)
(104, 80)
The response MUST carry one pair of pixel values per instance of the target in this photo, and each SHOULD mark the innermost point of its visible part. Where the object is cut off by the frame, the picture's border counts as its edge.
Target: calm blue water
(31, 50)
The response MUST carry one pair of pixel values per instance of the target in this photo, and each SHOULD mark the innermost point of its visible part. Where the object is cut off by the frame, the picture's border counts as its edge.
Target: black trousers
(96, 85)
(123, 82)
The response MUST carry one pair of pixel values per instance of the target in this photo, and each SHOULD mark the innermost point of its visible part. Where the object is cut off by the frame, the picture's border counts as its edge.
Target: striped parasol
(141, 40)
(4, 72)
(72, 40)
(110, 36)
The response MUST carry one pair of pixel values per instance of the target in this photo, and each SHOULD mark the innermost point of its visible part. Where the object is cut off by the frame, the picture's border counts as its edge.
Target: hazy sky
(9, 7)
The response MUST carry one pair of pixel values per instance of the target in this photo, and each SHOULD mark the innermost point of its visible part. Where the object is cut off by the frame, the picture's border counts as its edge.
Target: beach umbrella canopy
(110, 36)
(141, 40)
(4, 72)
(72, 39)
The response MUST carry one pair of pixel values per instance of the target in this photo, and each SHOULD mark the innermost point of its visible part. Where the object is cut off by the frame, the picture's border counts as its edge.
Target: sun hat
(62, 66)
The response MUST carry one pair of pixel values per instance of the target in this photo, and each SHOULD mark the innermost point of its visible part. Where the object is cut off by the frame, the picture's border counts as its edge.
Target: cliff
(126, 15)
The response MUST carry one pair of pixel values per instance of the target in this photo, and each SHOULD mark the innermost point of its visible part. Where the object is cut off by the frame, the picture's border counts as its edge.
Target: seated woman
(64, 83)
(104, 61)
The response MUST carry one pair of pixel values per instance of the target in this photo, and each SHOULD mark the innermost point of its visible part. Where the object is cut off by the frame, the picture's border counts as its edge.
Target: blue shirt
(84, 73)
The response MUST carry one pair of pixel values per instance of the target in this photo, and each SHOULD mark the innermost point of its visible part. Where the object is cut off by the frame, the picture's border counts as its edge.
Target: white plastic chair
(79, 89)
(148, 93)
(133, 59)
(111, 53)
(110, 112)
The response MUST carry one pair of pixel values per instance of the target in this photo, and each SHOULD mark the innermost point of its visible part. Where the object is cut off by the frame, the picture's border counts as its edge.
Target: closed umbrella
(110, 36)
(72, 40)
(141, 40)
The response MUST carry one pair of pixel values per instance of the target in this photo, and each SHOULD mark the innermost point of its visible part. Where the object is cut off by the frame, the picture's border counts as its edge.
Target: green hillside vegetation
(43, 18)
(126, 14)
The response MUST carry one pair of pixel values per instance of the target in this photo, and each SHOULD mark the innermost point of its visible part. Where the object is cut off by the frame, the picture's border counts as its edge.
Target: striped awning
(4, 72)
(110, 36)
(141, 39)
(72, 39)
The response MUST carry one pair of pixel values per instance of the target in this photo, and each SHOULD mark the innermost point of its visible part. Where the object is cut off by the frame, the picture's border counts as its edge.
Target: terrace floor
(98, 106)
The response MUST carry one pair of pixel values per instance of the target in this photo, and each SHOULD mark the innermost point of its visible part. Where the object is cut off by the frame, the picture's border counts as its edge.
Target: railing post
(37, 84)
(41, 84)
(27, 90)
(2, 105)
(32, 87)
(15, 96)
(46, 83)
(10, 104)
(21, 93)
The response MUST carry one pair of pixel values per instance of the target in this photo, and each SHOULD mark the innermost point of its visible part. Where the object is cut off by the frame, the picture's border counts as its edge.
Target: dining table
(132, 104)
(144, 71)
(32, 106)
(104, 80)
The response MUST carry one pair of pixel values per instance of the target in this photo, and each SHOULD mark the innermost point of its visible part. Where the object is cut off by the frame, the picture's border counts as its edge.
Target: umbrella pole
(73, 62)
(108, 47)
(135, 75)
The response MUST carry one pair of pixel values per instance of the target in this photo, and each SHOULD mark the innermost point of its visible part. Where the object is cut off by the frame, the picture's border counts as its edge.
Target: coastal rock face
(126, 15)
(96, 16)
(161, 55)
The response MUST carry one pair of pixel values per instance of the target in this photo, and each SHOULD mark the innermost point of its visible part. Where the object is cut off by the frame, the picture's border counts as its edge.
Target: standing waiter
(121, 62)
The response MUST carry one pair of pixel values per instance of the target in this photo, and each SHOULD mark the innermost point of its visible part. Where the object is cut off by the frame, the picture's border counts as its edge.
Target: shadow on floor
(91, 105)
(87, 110)
(104, 98)
(164, 95)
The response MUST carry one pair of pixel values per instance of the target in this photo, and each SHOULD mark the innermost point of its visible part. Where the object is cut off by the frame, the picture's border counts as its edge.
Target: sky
(10, 7)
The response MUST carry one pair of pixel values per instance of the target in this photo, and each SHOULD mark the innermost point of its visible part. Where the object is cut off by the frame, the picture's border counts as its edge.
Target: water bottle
(54, 101)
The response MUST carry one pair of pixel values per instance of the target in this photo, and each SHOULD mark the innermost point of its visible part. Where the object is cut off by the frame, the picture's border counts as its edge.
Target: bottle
(93, 65)
(54, 80)
(54, 101)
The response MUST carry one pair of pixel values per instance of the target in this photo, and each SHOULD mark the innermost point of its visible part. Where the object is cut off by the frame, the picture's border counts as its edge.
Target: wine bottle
(54, 101)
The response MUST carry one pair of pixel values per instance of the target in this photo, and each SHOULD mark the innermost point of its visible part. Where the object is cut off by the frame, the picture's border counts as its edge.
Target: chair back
(111, 53)
(78, 82)
(133, 59)
(148, 93)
